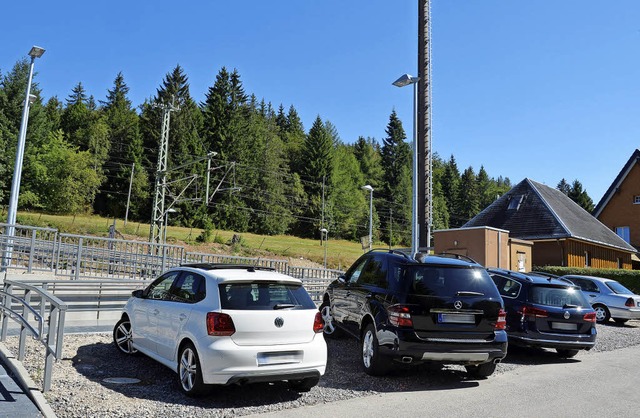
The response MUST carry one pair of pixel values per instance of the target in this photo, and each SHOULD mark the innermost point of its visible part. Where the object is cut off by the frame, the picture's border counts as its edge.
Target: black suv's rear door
(453, 302)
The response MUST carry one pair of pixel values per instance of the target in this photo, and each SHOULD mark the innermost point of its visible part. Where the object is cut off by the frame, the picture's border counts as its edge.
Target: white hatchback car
(226, 324)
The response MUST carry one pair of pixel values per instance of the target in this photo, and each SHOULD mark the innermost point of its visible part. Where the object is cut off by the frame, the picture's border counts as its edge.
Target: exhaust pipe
(497, 360)
(407, 359)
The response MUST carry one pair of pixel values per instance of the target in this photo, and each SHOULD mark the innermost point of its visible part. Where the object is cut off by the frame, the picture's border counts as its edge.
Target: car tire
(481, 371)
(123, 338)
(374, 364)
(303, 385)
(567, 353)
(190, 371)
(620, 321)
(330, 329)
(602, 314)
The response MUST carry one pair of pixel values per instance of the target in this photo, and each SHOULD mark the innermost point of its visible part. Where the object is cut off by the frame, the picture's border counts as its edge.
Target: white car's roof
(247, 274)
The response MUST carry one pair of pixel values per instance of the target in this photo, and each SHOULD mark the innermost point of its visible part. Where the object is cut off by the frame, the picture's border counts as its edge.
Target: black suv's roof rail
(392, 251)
(222, 266)
(457, 257)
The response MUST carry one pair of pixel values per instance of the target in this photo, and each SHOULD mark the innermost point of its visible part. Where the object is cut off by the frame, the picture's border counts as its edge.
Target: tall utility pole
(425, 151)
(157, 214)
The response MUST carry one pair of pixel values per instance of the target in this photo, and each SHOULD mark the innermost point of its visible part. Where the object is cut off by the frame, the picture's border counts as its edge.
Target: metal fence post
(32, 251)
(23, 329)
(48, 362)
(78, 259)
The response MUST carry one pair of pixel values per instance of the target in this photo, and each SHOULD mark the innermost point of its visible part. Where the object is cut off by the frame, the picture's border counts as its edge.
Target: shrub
(629, 278)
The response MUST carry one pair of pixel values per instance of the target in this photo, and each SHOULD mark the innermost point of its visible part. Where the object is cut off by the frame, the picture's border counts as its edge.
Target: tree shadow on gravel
(100, 361)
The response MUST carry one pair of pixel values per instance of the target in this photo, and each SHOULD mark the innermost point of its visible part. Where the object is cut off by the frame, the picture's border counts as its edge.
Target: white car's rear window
(264, 296)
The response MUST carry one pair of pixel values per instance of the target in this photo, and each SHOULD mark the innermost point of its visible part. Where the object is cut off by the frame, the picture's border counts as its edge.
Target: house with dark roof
(619, 208)
(563, 233)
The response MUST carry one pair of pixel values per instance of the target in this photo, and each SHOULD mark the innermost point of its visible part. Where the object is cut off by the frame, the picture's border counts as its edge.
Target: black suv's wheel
(189, 371)
(374, 364)
(602, 313)
(567, 353)
(330, 330)
(481, 370)
(304, 385)
(122, 337)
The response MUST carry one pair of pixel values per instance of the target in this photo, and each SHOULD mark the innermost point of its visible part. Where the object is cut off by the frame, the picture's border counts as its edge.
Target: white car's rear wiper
(284, 306)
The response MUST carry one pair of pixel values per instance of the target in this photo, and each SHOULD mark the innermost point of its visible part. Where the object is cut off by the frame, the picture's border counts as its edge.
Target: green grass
(340, 253)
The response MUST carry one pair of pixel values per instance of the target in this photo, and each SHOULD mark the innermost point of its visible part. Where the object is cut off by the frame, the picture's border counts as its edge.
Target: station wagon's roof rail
(222, 266)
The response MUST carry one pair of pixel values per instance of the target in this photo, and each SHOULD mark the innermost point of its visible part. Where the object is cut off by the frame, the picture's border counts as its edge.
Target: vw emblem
(567, 315)
(457, 304)
(279, 322)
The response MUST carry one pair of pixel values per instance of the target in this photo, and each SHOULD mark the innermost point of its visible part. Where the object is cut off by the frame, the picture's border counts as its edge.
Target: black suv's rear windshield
(557, 296)
(449, 281)
(264, 296)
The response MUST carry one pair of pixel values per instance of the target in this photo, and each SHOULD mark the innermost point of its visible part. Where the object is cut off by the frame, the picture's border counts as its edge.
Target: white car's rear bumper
(224, 362)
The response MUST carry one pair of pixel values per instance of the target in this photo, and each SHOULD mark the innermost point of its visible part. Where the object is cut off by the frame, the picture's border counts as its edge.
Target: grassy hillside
(340, 253)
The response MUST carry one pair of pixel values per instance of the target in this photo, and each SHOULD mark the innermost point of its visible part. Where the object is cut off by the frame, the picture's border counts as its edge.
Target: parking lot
(79, 389)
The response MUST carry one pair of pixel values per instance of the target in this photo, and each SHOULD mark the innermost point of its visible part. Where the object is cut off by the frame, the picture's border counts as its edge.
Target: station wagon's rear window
(449, 281)
(557, 296)
(264, 296)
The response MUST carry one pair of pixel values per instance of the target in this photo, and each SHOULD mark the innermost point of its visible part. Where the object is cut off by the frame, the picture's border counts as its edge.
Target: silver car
(609, 298)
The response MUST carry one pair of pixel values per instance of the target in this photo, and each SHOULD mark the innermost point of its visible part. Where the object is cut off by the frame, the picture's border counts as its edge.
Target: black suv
(546, 312)
(413, 310)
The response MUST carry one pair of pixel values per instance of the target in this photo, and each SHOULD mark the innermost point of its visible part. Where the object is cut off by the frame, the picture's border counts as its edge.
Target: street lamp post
(370, 189)
(406, 80)
(35, 52)
(166, 221)
(325, 235)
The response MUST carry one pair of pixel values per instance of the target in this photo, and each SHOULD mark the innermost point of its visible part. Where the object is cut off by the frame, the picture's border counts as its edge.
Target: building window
(620, 264)
(636, 200)
(587, 259)
(624, 233)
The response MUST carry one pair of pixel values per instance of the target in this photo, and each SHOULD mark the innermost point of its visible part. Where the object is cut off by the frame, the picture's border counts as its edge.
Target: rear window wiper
(284, 306)
(468, 293)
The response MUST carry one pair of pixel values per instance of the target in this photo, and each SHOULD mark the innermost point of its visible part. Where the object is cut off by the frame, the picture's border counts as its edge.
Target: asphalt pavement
(14, 400)
(598, 385)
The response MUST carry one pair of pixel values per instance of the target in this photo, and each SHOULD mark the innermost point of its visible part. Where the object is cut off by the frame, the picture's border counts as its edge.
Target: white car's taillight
(220, 324)
(318, 323)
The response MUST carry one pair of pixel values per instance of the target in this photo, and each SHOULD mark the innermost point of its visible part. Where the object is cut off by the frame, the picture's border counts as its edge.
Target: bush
(629, 278)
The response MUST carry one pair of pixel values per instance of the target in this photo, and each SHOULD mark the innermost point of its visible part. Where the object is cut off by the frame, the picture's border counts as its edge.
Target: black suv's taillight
(399, 316)
(220, 324)
(501, 323)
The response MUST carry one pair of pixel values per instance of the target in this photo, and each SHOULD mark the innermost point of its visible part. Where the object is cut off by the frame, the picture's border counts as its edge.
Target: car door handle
(155, 312)
(182, 317)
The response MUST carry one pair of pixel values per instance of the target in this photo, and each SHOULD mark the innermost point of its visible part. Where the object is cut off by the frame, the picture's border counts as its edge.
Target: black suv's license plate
(444, 318)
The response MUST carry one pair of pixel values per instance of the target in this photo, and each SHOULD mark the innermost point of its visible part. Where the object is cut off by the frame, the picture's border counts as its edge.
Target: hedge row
(629, 278)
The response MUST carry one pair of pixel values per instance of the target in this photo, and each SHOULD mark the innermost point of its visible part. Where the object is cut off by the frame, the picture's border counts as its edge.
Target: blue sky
(542, 89)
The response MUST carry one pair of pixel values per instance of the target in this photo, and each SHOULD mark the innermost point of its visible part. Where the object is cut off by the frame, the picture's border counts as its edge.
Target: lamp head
(405, 80)
(36, 52)
(367, 187)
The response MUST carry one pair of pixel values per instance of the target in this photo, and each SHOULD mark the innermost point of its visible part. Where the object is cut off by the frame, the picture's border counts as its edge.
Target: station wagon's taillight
(533, 313)
(220, 324)
(318, 323)
(630, 303)
(589, 317)
(399, 316)
(501, 323)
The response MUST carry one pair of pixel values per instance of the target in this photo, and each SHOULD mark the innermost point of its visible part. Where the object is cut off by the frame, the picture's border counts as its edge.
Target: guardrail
(50, 314)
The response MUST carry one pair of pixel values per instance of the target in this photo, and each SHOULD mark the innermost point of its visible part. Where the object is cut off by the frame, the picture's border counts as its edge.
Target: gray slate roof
(533, 211)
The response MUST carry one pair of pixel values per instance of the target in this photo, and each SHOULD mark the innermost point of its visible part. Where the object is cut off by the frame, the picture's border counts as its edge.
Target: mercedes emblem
(279, 322)
(567, 315)
(457, 304)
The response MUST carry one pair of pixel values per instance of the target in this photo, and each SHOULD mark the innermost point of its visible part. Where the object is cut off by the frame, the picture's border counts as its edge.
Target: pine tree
(124, 155)
(468, 199)
(367, 152)
(564, 187)
(580, 196)
(450, 184)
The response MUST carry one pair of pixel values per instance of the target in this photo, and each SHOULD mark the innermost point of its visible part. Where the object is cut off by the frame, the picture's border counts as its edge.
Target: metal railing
(17, 304)
(30, 248)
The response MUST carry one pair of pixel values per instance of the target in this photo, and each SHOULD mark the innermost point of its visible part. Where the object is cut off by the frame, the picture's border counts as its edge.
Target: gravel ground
(79, 389)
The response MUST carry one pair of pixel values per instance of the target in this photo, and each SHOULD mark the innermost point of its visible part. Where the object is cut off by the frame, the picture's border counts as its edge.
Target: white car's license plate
(279, 358)
(444, 318)
(565, 326)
